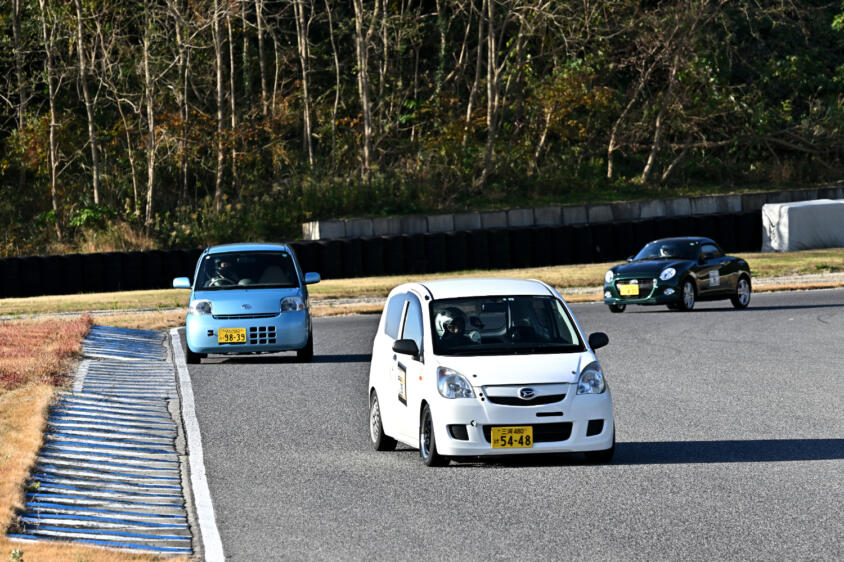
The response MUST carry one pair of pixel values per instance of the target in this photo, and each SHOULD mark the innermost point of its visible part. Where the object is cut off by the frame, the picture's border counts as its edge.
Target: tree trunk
(259, 19)
(148, 95)
(362, 39)
(244, 59)
(473, 92)
(233, 105)
(130, 153)
(218, 66)
(336, 82)
(22, 90)
(89, 105)
(660, 121)
(491, 93)
(304, 55)
(48, 41)
(613, 142)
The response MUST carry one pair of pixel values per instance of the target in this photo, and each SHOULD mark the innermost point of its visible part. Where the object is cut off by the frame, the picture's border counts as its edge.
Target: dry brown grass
(158, 320)
(33, 352)
(59, 551)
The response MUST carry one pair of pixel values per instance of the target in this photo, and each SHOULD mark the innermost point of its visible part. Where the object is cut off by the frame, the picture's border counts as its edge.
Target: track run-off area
(730, 445)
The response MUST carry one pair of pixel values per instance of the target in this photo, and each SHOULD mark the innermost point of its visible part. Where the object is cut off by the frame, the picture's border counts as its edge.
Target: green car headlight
(667, 273)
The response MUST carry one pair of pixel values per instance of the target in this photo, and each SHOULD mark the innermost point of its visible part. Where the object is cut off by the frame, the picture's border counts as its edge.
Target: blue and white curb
(109, 472)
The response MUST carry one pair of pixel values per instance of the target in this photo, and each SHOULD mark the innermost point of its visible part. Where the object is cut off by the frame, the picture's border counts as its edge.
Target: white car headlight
(452, 384)
(292, 304)
(609, 276)
(667, 273)
(591, 380)
(200, 306)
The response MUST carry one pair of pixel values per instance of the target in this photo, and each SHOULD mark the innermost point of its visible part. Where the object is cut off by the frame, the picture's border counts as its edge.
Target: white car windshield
(238, 270)
(502, 326)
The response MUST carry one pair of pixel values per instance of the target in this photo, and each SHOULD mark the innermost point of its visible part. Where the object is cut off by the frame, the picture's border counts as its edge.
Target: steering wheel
(221, 282)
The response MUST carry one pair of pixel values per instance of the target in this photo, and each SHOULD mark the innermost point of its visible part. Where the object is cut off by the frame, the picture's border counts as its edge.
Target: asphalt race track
(730, 446)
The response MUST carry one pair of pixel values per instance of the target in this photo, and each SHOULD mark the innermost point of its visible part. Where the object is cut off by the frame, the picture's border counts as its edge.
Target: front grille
(542, 433)
(645, 287)
(244, 316)
(516, 401)
(261, 335)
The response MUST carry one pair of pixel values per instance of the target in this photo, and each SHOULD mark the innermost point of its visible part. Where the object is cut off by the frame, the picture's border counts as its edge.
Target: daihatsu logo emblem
(526, 393)
(246, 306)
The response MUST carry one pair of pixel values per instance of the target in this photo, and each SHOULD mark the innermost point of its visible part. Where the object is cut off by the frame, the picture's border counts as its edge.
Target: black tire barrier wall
(499, 248)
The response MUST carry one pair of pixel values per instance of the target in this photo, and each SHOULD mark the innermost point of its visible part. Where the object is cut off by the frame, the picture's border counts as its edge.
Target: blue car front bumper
(286, 331)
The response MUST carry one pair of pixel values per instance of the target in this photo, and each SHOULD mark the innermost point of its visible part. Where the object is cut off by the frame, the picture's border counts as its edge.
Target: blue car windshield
(677, 249)
(253, 270)
(517, 325)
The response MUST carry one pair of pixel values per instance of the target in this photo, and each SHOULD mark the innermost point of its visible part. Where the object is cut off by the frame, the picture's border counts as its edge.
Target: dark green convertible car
(678, 272)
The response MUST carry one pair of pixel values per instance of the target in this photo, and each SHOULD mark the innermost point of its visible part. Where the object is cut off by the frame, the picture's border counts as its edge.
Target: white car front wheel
(427, 441)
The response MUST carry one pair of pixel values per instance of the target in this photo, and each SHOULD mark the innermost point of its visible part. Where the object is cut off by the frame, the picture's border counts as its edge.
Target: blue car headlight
(667, 273)
(292, 304)
(200, 306)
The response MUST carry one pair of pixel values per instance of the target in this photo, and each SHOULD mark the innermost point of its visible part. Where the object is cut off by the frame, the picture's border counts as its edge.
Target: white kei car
(471, 367)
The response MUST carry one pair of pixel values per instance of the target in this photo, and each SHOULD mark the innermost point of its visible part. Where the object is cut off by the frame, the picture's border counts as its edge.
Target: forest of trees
(184, 122)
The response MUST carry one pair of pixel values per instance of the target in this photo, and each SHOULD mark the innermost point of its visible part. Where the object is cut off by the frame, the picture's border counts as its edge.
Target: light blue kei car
(248, 298)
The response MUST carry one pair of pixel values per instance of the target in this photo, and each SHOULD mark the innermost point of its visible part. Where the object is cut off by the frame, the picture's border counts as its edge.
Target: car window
(502, 326)
(683, 249)
(709, 251)
(255, 270)
(395, 307)
(413, 321)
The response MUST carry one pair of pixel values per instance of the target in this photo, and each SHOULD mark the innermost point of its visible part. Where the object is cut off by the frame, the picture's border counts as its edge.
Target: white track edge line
(211, 542)
(81, 372)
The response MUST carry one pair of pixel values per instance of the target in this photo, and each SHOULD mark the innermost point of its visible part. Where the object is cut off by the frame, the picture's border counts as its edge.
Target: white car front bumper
(571, 430)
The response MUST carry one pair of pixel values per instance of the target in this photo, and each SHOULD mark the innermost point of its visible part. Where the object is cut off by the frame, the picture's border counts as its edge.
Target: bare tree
(363, 36)
(337, 86)
(302, 27)
(232, 103)
(218, 67)
(259, 22)
(23, 94)
(49, 42)
(149, 101)
(89, 104)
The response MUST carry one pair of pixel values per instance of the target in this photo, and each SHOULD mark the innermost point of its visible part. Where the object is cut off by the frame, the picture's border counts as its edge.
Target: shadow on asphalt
(682, 452)
(286, 359)
(655, 309)
(754, 450)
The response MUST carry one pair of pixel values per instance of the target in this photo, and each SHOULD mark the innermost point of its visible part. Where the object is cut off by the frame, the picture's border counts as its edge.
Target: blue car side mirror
(181, 283)
(312, 278)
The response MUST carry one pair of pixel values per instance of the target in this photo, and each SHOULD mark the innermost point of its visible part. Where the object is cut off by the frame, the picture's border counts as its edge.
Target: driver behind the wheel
(451, 327)
(224, 273)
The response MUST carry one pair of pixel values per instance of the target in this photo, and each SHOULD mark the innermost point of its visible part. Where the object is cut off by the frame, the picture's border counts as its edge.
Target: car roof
(477, 287)
(699, 239)
(248, 247)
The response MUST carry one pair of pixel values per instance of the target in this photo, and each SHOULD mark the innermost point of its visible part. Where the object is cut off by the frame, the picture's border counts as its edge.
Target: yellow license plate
(517, 437)
(231, 335)
(628, 290)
